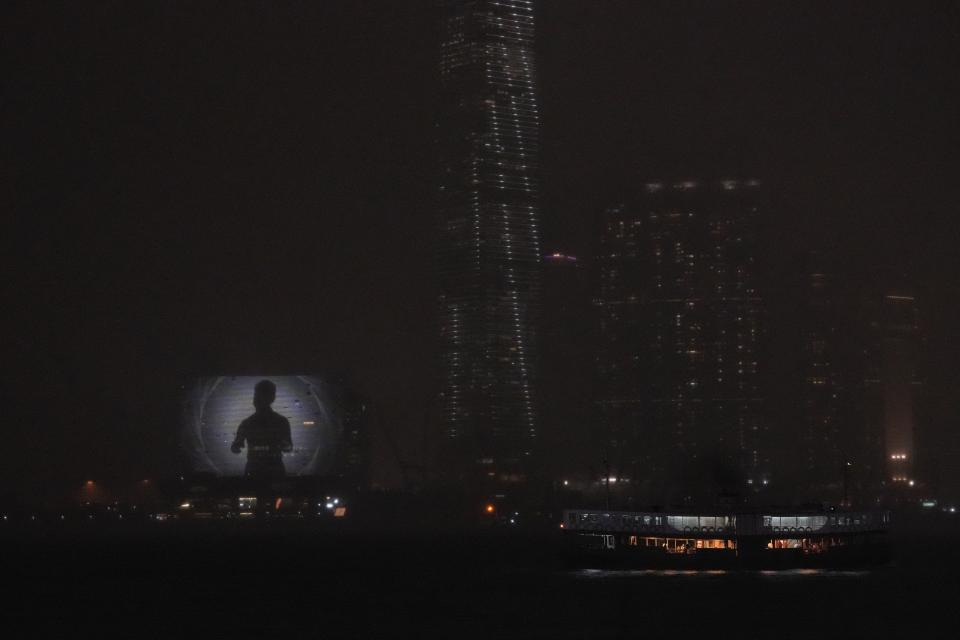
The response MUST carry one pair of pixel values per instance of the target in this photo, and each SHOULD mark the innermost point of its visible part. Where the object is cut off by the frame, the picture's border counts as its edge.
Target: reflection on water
(821, 573)
(780, 574)
(629, 573)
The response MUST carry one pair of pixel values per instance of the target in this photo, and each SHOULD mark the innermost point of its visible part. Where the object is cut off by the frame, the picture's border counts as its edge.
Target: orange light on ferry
(489, 508)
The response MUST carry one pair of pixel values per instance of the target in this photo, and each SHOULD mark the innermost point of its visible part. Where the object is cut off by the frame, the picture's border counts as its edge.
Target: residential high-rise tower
(680, 401)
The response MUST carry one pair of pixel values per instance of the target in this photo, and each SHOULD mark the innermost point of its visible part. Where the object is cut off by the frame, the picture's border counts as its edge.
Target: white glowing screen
(214, 407)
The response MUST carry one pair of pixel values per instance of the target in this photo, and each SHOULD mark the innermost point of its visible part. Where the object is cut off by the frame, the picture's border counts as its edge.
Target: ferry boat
(757, 539)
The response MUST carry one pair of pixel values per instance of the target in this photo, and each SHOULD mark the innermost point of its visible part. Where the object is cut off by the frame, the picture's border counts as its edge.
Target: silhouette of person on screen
(266, 435)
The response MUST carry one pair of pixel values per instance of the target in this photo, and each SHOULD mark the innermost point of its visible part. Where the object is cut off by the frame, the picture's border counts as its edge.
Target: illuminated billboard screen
(266, 426)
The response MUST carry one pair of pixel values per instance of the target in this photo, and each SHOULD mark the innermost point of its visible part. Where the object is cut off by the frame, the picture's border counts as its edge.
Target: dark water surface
(231, 583)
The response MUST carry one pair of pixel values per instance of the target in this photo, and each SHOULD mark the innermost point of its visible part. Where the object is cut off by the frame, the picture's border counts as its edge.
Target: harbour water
(230, 583)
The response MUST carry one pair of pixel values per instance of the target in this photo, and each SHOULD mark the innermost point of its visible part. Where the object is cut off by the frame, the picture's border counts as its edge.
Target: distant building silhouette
(887, 399)
(488, 254)
(566, 355)
(897, 332)
(823, 389)
(680, 402)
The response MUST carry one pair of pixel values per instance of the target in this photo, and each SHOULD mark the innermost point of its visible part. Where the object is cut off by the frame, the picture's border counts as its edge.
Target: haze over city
(205, 190)
(525, 314)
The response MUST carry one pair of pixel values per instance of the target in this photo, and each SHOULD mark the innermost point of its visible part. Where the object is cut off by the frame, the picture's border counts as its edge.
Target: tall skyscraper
(822, 388)
(489, 243)
(680, 399)
(565, 376)
(900, 383)
(892, 392)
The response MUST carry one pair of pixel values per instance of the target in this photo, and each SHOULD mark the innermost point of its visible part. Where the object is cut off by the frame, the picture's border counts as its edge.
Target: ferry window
(812, 522)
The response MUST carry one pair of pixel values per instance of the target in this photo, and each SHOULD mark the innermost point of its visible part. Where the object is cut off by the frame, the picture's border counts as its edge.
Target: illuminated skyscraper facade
(680, 401)
(489, 246)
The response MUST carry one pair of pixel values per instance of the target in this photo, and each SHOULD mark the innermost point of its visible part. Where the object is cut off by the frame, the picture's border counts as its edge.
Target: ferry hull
(780, 559)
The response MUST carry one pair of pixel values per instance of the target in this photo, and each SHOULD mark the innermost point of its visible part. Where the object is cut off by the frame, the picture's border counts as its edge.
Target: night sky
(202, 188)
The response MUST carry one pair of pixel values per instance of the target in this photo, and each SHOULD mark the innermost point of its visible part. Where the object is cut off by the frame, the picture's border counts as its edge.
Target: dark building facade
(566, 354)
(679, 392)
(900, 387)
(823, 390)
(888, 400)
(489, 246)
